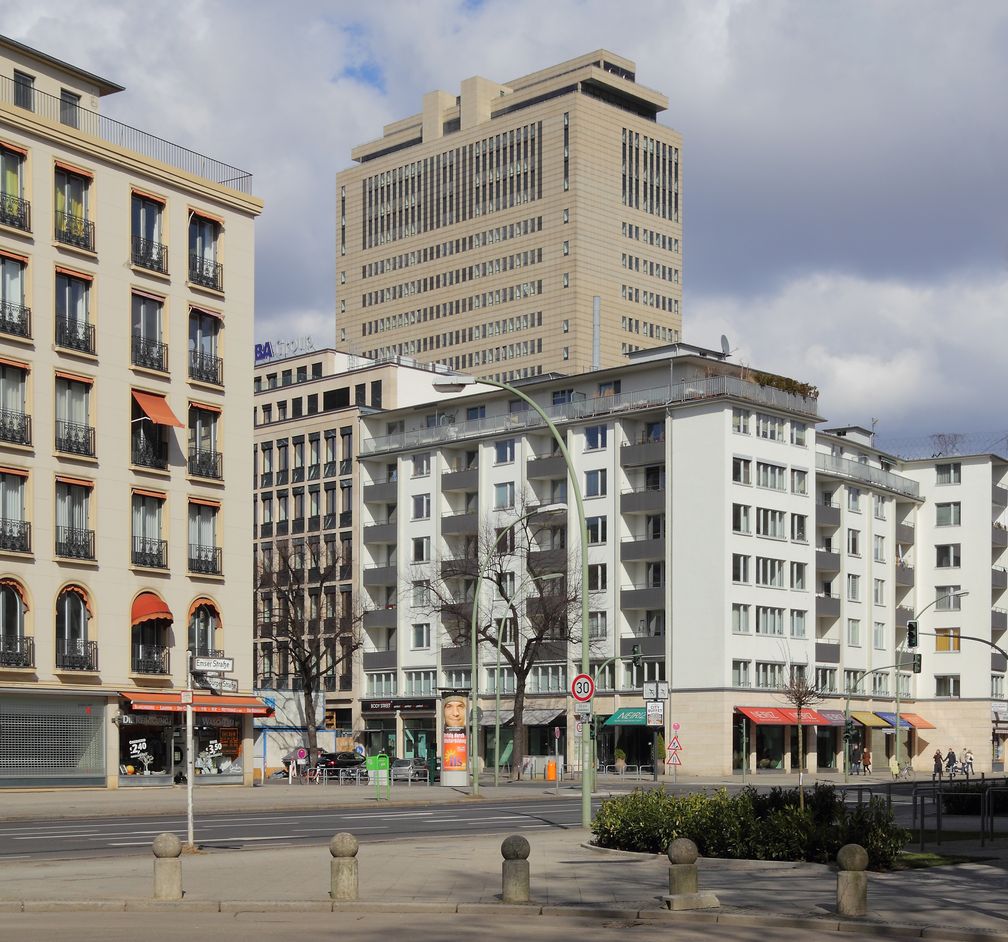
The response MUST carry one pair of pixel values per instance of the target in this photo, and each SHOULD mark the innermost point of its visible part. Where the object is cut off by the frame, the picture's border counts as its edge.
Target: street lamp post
(457, 384)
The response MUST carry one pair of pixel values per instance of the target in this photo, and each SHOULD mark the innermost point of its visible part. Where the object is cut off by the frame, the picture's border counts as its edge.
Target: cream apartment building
(126, 272)
(517, 227)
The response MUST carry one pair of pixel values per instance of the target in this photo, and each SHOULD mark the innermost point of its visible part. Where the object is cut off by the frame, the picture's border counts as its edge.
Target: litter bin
(551, 771)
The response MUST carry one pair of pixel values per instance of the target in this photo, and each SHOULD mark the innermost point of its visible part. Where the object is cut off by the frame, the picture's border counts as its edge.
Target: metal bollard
(167, 866)
(852, 881)
(343, 848)
(515, 869)
(684, 878)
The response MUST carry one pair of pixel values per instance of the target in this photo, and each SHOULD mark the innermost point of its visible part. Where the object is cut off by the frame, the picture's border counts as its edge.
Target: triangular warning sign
(674, 746)
(675, 760)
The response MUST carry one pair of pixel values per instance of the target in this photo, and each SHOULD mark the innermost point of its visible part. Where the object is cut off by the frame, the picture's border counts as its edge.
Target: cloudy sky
(845, 164)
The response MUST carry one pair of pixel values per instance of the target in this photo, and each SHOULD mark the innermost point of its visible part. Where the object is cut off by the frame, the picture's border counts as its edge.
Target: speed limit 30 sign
(582, 688)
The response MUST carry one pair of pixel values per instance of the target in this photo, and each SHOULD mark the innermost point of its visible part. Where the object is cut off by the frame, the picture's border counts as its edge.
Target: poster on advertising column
(454, 754)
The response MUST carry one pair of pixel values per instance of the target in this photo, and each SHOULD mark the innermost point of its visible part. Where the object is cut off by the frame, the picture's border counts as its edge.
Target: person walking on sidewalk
(937, 770)
(950, 762)
(866, 761)
(894, 766)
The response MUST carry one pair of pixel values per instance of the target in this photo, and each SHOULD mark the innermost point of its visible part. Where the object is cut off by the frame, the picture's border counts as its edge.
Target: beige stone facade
(491, 231)
(127, 300)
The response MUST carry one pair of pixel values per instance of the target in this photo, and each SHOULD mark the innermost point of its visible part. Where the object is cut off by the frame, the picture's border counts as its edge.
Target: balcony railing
(122, 135)
(205, 560)
(149, 453)
(75, 543)
(15, 212)
(76, 655)
(205, 272)
(150, 255)
(713, 387)
(206, 368)
(15, 319)
(15, 536)
(150, 354)
(17, 652)
(845, 468)
(75, 335)
(151, 659)
(15, 427)
(150, 552)
(75, 230)
(206, 464)
(75, 439)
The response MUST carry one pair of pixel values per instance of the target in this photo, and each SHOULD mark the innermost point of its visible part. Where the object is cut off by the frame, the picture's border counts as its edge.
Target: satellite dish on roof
(725, 346)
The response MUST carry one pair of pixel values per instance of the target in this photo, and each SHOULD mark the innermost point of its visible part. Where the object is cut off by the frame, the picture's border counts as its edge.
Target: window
(421, 636)
(204, 458)
(798, 621)
(74, 536)
(74, 434)
(854, 632)
(740, 568)
(204, 554)
(947, 685)
(826, 679)
(769, 676)
(769, 427)
(12, 609)
(595, 437)
(204, 269)
(421, 683)
(381, 684)
(947, 639)
(504, 495)
(547, 678)
(597, 626)
(204, 363)
(69, 108)
(799, 482)
(740, 518)
(740, 618)
(421, 549)
(597, 530)
(15, 532)
(505, 676)
(24, 90)
(148, 548)
(740, 673)
(148, 250)
(878, 552)
(13, 386)
(770, 572)
(72, 225)
(597, 577)
(421, 593)
(14, 210)
(798, 576)
(853, 588)
(947, 598)
(880, 685)
(769, 621)
(421, 465)
(878, 591)
(948, 515)
(950, 473)
(880, 507)
(421, 506)
(879, 636)
(948, 556)
(595, 483)
(798, 430)
(997, 687)
(742, 470)
(799, 532)
(852, 681)
(73, 613)
(740, 421)
(504, 451)
(853, 542)
(771, 523)
(770, 476)
(148, 350)
(203, 631)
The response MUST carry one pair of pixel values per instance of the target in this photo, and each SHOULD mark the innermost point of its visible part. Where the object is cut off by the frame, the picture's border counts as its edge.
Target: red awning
(156, 408)
(809, 717)
(766, 716)
(148, 606)
(832, 717)
(202, 703)
(917, 722)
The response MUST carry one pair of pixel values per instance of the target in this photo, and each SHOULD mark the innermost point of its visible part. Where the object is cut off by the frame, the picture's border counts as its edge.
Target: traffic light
(635, 656)
(917, 663)
(911, 634)
(848, 733)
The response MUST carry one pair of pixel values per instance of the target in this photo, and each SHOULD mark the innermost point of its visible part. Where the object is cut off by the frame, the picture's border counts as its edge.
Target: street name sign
(222, 684)
(221, 664)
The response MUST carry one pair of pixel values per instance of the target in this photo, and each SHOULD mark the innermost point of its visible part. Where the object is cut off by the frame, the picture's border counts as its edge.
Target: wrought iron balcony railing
(75, 543)
(205, 272)
(15, 427)
(150, 354)
(206, 368)
(75, 335)
(76, 655)
(151, 659)
(17, 652)
(75, 230)
(15, 535)
(150, 255)
(150, 552)
(75, 439)
(149, 453)
(205, 560)
(15, 319)
(15, 212)
(206, 464)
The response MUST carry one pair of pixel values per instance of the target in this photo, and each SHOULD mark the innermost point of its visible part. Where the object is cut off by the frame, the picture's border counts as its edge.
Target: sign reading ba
(278, 349)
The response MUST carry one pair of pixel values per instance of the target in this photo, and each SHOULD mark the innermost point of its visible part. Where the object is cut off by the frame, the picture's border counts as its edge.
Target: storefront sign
(136, 747)
(426, 705)
(278, 349)
(146, 719)
(217, 721)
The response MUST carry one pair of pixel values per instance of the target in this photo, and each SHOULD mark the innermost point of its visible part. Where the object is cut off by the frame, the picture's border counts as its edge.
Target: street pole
(190, 764)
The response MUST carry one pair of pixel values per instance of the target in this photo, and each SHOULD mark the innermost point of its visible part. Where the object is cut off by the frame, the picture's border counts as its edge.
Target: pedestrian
(937, 770)
(894, 766)
(950, 762)
(967, 761)
(866, 761)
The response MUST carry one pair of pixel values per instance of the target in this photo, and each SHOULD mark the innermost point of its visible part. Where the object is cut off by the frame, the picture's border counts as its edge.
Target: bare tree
(315, 628)
(802, 694)
(534, 607)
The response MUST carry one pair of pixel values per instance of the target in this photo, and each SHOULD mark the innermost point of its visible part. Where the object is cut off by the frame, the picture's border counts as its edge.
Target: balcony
(151, 659)
(206, 464)
(642, 548)
(379, 660)
(382, 492)
(15, 212)
(380, 618)
(379, 575)
(460, 480)
(151, 553)
(15, 319)
(999, 495)
(205, 272)
(76, 655)
(999, 662)
(205, 368)
(552, 467)
(380, 533)
(15, 536)
(903, 615)
(15, 427)
(999, 535)
(905, 534)
(827, 606)
(876, 477)
(464, 522)
(827, 515)
(999, 578)
(999, 619)
(904, 575)
(643, 597)
(75, 439)
(827, 561)
(150, 354)
(148, 453)
(75, 543)
(644, 452)
(205, 560)
(16, 653)
(543, 562)
(453, 567)
(150, 255)
(827, 652)
(75, 335)
(644, 500)
(75, 231)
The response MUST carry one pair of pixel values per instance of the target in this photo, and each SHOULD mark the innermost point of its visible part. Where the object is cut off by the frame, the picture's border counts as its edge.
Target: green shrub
(960, 798)
(872, 826)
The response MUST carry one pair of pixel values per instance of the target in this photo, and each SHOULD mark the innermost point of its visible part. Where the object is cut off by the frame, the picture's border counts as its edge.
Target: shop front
(765, 739)
(999, 734)
(401, 727)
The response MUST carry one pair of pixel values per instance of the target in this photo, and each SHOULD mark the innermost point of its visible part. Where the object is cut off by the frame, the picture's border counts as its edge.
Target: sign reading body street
(582, 688)
(222, 684)
(223, 664)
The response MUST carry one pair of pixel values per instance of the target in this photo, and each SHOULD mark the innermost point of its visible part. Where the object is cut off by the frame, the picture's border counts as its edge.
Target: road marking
(55, 837)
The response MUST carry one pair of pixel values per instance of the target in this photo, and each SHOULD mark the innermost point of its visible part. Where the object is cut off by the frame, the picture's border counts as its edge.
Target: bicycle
(905, 772)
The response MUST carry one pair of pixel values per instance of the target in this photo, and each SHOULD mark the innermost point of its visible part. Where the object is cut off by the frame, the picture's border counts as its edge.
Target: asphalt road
(88, 837)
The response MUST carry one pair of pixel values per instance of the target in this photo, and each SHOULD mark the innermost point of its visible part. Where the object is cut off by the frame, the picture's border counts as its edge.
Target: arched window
(73, 615)
(12, 612)
(203, 624)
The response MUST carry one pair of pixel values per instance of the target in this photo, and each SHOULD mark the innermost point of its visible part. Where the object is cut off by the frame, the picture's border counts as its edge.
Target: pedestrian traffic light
(916, 663)
(635, 656)
(848, 733)
(911, 634)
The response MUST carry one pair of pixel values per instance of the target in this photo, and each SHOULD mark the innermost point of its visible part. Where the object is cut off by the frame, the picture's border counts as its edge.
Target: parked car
(340, 760)
(406, 769)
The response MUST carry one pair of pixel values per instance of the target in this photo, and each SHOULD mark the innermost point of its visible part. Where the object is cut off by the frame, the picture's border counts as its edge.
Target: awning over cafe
(766, 716)
(539, 717)
(489, 717)
(832, 717)
(628, 716)
(809, 717)
(870, 719)
(168, 702)
(890, 718)
(917, 721)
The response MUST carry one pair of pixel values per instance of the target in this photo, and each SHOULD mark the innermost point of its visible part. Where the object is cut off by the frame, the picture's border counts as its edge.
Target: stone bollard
(343, 848)
(852, 881)
(684, 880)
(167, 867)
(515, 869)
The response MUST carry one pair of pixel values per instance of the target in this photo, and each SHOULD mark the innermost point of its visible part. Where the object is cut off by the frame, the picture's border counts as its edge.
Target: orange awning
(809, 717)
(202, 703)
(148, 606)
(18, 588)
(766, 716)
(156, 408)
(916, 721)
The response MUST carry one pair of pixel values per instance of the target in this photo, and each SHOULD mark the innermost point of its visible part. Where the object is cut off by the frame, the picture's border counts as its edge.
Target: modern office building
(126, 299)
(516, 228)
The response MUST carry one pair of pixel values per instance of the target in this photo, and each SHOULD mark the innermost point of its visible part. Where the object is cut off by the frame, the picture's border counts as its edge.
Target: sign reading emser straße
(219, 664)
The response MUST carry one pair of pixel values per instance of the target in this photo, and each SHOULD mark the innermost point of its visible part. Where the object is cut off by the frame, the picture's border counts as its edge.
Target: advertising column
(454, 754)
